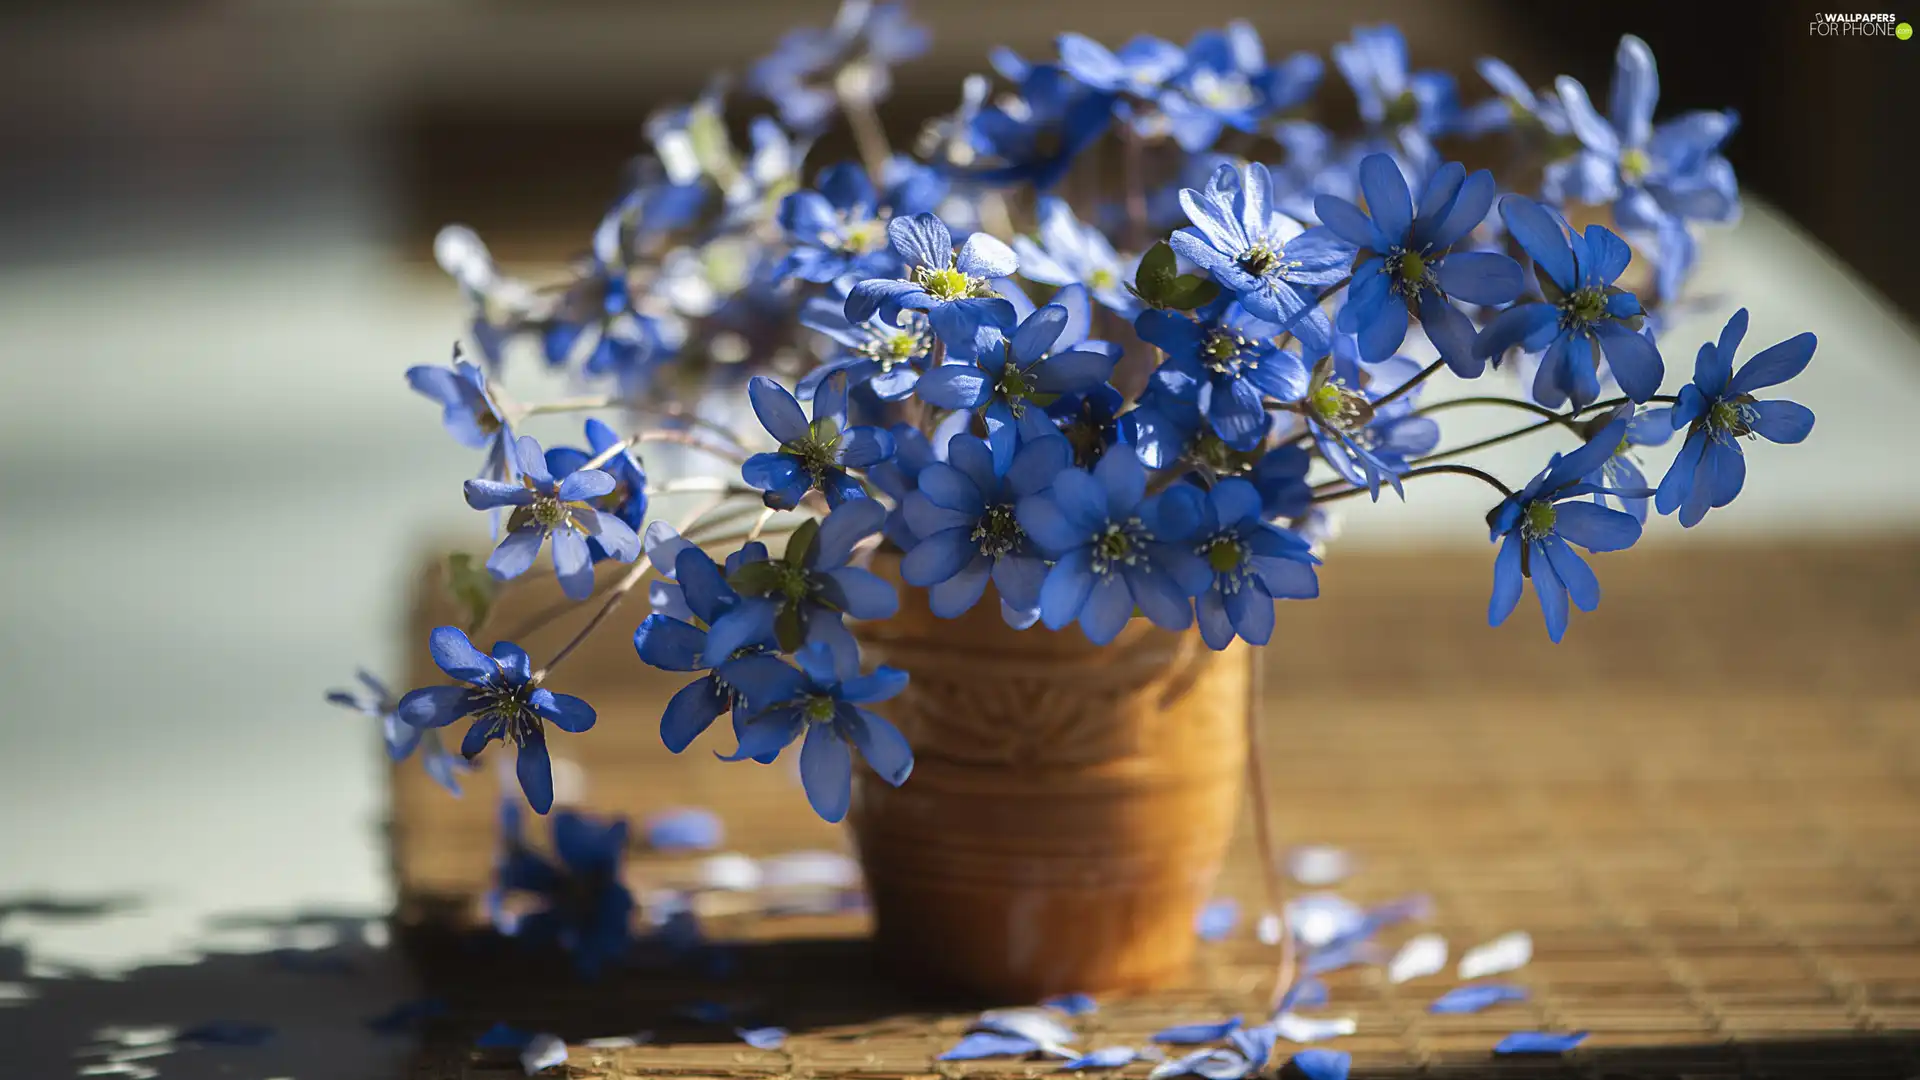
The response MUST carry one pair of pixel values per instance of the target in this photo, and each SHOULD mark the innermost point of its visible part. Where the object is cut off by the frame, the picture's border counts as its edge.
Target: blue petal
(1678, 484)
(1124, 479)
(1019, 578)
(1452, 334)
(864, 446)
(1105, 1057)
(1067, 587)
(584, 484)
(826, 771)
(955, 386)
(1508, 582)
(777, 409)
(984, 255)
(564, 711)
(1349, 222)
(1634, 360)
(1318, 1064)
(985, 1044)
(435, 706)
(868, 595)
(1387, 196)
(948, 487)
(1595, 528)
(1548, 589)
(1469, 209)
(1474, 997)
(1159, 597)
(458, 657)
(957, 595)
(1607, 256)
(764, 1038)
(1081, 502)
(1582, 587)
(845, 527)
(881, 745)
(925, 519)
(573, 564)
(1538, 1042)
(971, 325)
(938, 557)
(484, 494)
(922, 240)
(763, 737)
(1774, 365)
(1109, 605)
(1190, 1034)
(691, 711)
(1522, 324)
(1782, 421)
(1481, 277)
(1540, 235)
(1382, 334)
(1251, 610)
(535, 769)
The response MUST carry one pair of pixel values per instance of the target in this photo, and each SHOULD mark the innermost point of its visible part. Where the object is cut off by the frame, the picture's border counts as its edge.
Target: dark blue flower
(1089, 420)
(1536, 525)
(628, 499)
(1010, 384)
(1280, 476)
(962, 515)
(1409, 268)
(565, 510)
(1070, 253)
(1036, 137)
(674, 637)
(1584, 315)
(1111, 552)
(1253, 563)
(1718, 409)
(505, 704)
(1267, 259)
(1227, 83)
(900, 474)
(469, 411)
(1374, 64)
(885, 356)
(954, 290)
(578, 900)
(1224, 360)
(812, 456)
(836, 230)
(1367, 444)
(802, 596)
(1646, 427)
(823, 699)
(1657, 178)
(373, 699)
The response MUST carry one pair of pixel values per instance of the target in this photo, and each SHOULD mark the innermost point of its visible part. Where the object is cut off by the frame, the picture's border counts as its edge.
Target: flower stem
(1340, 489)
(1406, 387)
(1494, 441)
(1511, 403)
(574, 404)
(868, 133)
(1263, 834)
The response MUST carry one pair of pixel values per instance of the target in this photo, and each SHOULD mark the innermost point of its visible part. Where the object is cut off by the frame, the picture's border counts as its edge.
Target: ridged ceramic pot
(1069, 808)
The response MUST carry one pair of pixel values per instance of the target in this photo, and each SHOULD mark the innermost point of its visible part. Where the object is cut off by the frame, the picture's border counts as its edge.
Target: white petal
(543, 1052)
(1504, 953)
(730, 872)
(1269, 929)
(1295, 1028)
(1422, 955)
(1318, 918)
(810, 869)
(1319, 865)
(619, 1042)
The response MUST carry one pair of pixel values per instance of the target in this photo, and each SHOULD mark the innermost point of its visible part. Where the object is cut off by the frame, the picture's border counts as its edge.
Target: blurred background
(216, 492)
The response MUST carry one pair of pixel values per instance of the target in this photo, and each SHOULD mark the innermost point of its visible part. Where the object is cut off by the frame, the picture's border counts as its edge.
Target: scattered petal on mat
(1346, 952)
(1187, 1034)
(1318, 1065)
(985, 1044)
(809, 870)
(1208, 1064)
(1478, 996)
(1539, 1042)
(1422, 955)
(685, 828)
(1217, 919)
(729, 872)
(1504, 953)
(1037, 1026)
(1255, 1044)
(1306, 1029)
(619, 1042)
(1320, 918)
(543, 1051)
(1305, 993)
(1072, 1004)
(407, 1015)
(1416, 907)
(226, 1033)
(763, 1038)
(1107, 1057)
(1319, 865)
(1269, 929)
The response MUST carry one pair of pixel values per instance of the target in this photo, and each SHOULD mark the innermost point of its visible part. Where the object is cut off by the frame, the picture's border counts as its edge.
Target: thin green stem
(1407, 387)
(565, 405)
(1340, 489)
(1510, 403)
(869, 135)
(1484, 443)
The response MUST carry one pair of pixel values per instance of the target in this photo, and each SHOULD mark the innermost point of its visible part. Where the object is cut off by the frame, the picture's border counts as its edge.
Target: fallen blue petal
(985, 1044)
(1037, 1026)
(543, 1052)
(1187, 1034)
(765, 1038)
(1341, 954)
(1255, 1044)
(1319, 1065)
(685, 828)
(1107, 1057)
(1478, 996)
(1539, 1042)
(502, 1037)
(1217, 919)
(1072, 1004)
(226, 1033)
(1208, 1064)
(407, 1015)
(1304, 994)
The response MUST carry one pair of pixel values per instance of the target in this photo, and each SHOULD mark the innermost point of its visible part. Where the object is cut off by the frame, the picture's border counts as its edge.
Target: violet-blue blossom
(812, 456)
(582, 906)
(954, 289)
(1069, 252)
(887, 357)
(1228, 83)
(1276, 266)
(1224, 360)
(373, 699)
(803, 595)
(564, 510)
(966, 533)
(671, 643)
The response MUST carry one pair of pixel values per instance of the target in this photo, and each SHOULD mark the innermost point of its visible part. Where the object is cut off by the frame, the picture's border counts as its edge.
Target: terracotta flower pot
(1069, 808)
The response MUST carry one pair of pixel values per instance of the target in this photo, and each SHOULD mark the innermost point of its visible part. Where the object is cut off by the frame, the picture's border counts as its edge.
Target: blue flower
(836, 231)
(1262, 256)
(1374, 64)
(1253, 563)
(1584, 314)
(1280, 476)
(1657, 178)
(953, 290)
(1141, 67)
(1224, 360)
(1516, 104)
(1070, 253)
(864, 41)
(675, 640)
(505, 704)
(900, 474)
(468, 410)
(1536, 525)
(375, 700)
(628, 499)
(1409, 267)
(802, 596)
(581, 904)
(503, 308)
(1036, 137)
(823, 699)
(1009, 386)
(812, 456)
(1227, 83)
(563, 510)
(963, 518)
(885, 356)
(1111, 553)
(1089, 420)
(599, 302)
(1365, 443)
(1647, 427)
(1718, 409)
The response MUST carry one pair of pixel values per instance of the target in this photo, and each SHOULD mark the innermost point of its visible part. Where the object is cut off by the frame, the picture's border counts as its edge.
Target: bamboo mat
(1704, 806)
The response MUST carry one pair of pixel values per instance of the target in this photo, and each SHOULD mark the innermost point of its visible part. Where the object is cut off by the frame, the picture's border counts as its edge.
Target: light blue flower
(812, 456)
(1071, 253)
(373, 699)
(886, 357)
(1228, 83)
(954, 290)
(1274, 265)
(963, 518)
(1374, 64)
(565, 510)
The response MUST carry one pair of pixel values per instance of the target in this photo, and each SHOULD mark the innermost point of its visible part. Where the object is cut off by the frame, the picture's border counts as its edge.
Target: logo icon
(1903, 31)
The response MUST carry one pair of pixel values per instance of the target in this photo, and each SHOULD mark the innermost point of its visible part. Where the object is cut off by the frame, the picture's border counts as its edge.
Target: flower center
(1228, 93)
(1539, 519)
(818, 709)
(858, 237)
(947, 284)
(1015, 386)
(1223, 350)
(1338, 407)
(1409, 270)
(1259, 259)
(1103, 278)
(1583, 307)
(795, 582)
(1634, 165)
(1733, 418)
(998, 532)
(506, 714)
(548, 511)
(1224, 554)
(1119, 545)
(1403, 110)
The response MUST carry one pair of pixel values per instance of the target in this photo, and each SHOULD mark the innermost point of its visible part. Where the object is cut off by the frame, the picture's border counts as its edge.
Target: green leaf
(1158, 268)
(800, 543)
(787, 629)
(757, 578)
(1189, 291)
(471, 587)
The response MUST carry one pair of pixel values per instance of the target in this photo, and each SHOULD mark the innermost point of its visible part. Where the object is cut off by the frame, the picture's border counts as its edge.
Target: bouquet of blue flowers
(1134, 405)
